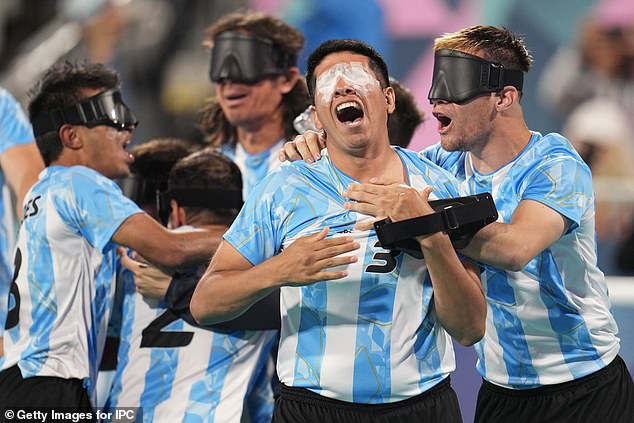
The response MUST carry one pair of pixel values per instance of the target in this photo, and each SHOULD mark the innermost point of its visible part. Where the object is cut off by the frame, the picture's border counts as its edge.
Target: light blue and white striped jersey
(550, 322)
(371, 337)
(60, 302)
(15, 130)
(254, 167)
(180, 373)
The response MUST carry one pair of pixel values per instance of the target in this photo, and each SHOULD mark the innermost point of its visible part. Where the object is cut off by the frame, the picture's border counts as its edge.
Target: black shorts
(42, 392)
(606, 396)
(298, 405)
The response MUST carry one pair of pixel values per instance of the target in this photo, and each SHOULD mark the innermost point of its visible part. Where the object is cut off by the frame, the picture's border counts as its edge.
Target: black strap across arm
(460, 217)
(263, 315)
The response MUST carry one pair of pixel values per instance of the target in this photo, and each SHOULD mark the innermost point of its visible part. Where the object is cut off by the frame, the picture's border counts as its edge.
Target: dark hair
(497, 44)
(152, 162)
(215, 127)
(217, 130)
(207, 169)
(377, 64)
(289, 39)
(61, 87)
(406, 117)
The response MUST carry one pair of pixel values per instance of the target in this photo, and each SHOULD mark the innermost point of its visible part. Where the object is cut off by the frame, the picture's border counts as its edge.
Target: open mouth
(125, 145)
(349, 112)
(235, 96)
(443, 121)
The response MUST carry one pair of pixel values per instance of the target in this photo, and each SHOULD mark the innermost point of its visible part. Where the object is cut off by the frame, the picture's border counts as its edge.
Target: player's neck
(504, 144)
(375, 162)
(68, 158)
(203, 223)
(260, 136)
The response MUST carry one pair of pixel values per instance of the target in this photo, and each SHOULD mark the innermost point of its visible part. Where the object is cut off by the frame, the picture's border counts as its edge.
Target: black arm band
(460, 217)
(263, 315)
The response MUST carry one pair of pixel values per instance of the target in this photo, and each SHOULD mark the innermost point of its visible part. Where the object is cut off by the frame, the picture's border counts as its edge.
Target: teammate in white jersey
(173, 370)
(364, 336)
(20, 163)
(258, 91)
(74, 218)
(550, 346)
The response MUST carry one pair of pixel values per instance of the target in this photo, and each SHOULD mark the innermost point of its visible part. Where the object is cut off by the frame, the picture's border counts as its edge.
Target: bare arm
(164, 247)
(533, 228)
(458, 297)
(232, 284)
(21, 165)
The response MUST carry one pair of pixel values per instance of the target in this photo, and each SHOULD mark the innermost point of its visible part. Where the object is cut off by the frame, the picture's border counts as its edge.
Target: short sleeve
(563, 183)
(15, 128)
(255, 232)
(94, 206)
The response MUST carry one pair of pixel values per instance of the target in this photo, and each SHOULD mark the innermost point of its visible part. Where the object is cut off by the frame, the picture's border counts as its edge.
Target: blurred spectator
(625, 253)
(600, 131)
(599, 66)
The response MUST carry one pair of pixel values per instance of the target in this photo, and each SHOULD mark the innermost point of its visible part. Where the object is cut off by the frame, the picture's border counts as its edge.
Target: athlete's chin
(448, 144)
(118, 173)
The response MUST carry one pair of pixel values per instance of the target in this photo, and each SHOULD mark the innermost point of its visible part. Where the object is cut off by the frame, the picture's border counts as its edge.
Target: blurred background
(582, 82)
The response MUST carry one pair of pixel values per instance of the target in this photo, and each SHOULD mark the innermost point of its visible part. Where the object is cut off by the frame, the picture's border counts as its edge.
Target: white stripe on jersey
(341, 336)
(254, 167)
(208, 378)
(290, 305)
(550, 322)
(66, 277)
(338, 337)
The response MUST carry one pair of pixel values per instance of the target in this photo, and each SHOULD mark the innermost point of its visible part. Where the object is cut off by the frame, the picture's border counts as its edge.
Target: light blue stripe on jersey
(159, 378)
(254, 167)
(358, 311)
(126, 284)
(205, 394)
(99, 307)
(204, 380)
(425, 347)
(376, 307)
(43, 298)
(260, 401)
(311, 336)
(15, 130)
(549, 323)
(67, 276)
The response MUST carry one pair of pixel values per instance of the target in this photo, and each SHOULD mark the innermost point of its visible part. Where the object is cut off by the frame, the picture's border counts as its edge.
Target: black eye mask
(105, 108)
(208, 198)
(245, 58)
(460, 77)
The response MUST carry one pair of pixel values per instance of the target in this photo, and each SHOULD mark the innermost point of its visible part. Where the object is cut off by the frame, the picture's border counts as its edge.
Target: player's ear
(390, 99)
(507, 96)
(288, 80)
(70, 137)
(178, 217)
(318, 124)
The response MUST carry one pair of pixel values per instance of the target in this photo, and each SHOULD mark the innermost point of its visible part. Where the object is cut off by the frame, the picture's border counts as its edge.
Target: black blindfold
(459, 77)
